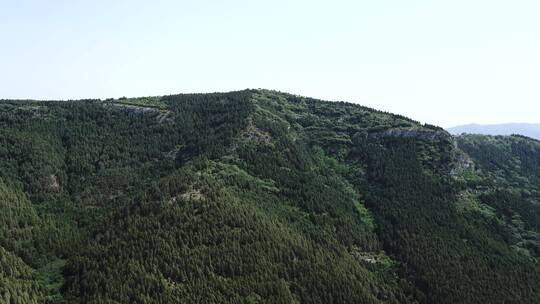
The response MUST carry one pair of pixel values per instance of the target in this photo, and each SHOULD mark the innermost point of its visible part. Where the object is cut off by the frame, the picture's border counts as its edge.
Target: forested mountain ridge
(258, 196)
(529, 130)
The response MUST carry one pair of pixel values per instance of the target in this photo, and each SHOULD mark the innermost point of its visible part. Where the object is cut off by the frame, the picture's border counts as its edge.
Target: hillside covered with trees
(259, 196)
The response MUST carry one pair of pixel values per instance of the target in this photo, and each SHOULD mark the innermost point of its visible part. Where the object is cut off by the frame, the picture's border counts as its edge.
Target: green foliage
(258, 196)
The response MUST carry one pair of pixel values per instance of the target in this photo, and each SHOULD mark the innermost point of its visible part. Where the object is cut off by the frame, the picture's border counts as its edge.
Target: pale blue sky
(442, 62)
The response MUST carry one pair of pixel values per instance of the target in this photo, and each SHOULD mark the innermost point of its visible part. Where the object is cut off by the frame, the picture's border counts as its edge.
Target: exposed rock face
(428, 135)
(462, 162)
(134, 109)
(192, 194)
(256, 135)
(163, 116)
(253, 134)
(53, 183)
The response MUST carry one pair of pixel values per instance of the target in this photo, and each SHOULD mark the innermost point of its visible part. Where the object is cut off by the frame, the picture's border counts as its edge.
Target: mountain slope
(530, 130)
(263, 197)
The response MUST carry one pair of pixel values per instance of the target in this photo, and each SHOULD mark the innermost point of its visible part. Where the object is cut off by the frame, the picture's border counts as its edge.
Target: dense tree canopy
(260, 197)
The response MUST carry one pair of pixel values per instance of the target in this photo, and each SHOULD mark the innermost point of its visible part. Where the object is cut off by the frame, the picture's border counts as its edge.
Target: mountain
(258, 196)
(529, 130)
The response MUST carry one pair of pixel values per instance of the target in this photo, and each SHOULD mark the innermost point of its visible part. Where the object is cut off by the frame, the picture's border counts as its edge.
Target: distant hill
(530, 130)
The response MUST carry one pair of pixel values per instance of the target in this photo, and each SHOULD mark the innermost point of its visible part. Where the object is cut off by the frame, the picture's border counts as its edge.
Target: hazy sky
(442, 62)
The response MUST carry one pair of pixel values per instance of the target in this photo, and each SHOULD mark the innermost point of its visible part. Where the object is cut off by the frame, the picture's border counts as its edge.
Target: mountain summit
(259, 196)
